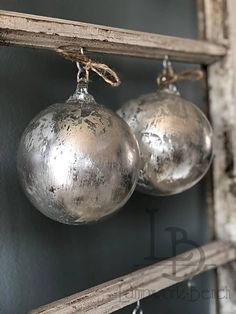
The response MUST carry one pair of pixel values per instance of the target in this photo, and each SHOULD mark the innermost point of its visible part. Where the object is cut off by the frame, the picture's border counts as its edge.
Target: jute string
(101, 69)
(169, 76)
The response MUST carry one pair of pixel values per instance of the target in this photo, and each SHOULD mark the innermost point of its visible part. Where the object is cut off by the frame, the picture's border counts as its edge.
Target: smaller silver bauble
(78, 161)
(175, 141)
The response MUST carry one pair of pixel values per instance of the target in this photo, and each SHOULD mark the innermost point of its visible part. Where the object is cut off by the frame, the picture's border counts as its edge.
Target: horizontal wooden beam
(120, 292)
(51, 33)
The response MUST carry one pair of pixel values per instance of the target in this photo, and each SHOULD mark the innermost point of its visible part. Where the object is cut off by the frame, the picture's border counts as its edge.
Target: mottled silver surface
(78, 161)
(175, 140)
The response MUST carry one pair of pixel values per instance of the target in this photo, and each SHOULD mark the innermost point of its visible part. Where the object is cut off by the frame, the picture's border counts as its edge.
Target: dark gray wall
(41, 260)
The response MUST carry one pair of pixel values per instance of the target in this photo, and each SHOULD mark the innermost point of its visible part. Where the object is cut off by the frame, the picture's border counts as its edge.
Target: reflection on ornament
(78, 161)
(175, 140)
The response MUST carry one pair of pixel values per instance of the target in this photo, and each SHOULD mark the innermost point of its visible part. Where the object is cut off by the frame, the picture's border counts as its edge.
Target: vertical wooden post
(217, 23)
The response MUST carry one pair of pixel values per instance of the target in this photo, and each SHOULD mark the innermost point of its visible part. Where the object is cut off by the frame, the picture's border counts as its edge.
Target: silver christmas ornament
(175, 140)
(78, 161)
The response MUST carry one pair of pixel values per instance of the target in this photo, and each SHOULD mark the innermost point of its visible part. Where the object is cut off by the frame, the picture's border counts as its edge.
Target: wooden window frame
(216, 50)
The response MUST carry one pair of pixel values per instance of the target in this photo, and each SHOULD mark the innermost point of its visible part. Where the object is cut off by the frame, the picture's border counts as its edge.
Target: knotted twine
(101, 69)
(168, 76)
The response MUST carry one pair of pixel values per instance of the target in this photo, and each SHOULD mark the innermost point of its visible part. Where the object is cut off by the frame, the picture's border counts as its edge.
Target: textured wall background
(41, 260)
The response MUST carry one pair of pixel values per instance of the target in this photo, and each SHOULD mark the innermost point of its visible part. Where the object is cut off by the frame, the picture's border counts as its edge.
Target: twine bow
(168, 76)
(101, 69)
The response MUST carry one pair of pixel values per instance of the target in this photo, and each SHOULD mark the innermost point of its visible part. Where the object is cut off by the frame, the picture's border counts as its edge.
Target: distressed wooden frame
(216, 49)
(50, 33)
(217, 23)
(118, 293)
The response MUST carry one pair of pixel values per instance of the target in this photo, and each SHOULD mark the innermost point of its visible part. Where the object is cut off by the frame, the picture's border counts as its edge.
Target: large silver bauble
(175, 141)
(78, 161)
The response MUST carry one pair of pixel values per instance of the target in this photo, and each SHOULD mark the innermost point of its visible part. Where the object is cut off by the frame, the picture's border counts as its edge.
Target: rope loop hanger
(168, 76)
(87, 64)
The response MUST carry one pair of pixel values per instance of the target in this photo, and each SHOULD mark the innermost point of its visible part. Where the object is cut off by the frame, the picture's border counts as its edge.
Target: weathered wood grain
(120, 292)
(51, 33)
(217, 19)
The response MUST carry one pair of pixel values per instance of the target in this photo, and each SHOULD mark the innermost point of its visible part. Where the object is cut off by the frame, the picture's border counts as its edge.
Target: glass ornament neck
(171, 89)
(81, 93)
